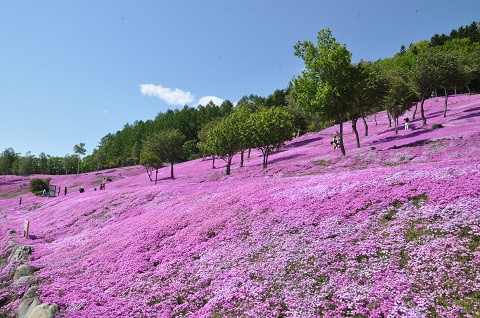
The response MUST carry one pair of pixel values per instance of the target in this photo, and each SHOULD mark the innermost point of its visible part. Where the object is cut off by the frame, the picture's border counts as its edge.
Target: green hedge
(37, 185)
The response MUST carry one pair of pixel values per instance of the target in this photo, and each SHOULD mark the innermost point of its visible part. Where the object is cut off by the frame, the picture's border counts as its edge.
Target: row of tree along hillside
(124, 147)
(334, 88)
(266, 129)
(12, 163)
(331, 89)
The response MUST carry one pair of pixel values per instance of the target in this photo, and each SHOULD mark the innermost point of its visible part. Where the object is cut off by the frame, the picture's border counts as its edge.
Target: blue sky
(72, 71)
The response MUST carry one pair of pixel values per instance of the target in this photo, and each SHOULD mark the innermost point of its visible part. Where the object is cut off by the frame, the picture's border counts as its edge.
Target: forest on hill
(443, 65)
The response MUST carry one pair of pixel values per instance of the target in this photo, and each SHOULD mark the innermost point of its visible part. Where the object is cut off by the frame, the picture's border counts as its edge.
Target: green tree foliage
(205, 141)
(241, 117)
(37, 185)
(472, 32)
(326, 85)
(399, 98)
(123, 147)
(269, 129)
(278, 98)
(468, 55)
(190, 150)
(7, 161)
(25, 166)
(370, 88)
(252, 103)
(79, 150)
(170, 144)
(423, 78)
(449, 73)
(301, 120)
(70, 163)
(42, 163)
(55, 165)
(225, 139)
(150, 156)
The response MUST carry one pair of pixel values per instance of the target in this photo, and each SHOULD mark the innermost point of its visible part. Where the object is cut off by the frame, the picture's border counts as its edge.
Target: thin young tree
(150, 156)
(79, 150)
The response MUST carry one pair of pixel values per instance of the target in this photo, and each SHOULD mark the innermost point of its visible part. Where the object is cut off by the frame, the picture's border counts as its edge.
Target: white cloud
(101, 110)
(206, 99)
(173, 97)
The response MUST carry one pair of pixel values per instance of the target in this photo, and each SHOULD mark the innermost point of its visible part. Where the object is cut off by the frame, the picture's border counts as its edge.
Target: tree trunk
(156, 176)
(389, 119)
(149, 174)
(354, 128)
(468, 89)
(446, 100)
(78, 166)
(375, 117)
(249, 150)
(229, 162)
(241, 157)
(366, 125)
(395, 120)
(171, 170)
(422, 112)
(341, 137)
(213, 162)
(415, 112)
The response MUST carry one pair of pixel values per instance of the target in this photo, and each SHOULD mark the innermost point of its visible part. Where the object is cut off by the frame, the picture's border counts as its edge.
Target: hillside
(389, 230)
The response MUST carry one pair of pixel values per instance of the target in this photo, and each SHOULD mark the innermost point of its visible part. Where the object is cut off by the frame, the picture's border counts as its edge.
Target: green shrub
(37, 185)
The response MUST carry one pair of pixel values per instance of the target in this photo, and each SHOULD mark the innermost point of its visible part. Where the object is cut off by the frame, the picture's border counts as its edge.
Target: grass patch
(14, 194)
(415, 232)
(418, 200)
(389, 215)
(322, 162)
(469, 303)
(397, 204)
(34, 207)
(390, 164)
(474, 240)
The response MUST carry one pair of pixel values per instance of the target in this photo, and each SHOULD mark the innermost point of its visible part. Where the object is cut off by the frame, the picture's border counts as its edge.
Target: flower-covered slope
(389, 230)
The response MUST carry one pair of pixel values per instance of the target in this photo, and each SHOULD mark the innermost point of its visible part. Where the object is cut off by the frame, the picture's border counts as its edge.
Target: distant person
(65, 191)
(44, 193)
(81, 190)
(20, 201)
(334, 142)
(59, 191)
(406, 123)
(94, 189)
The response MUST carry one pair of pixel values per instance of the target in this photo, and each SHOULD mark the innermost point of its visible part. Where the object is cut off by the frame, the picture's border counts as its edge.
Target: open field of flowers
(390, 230)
